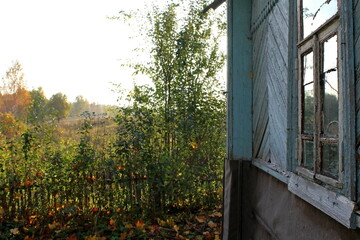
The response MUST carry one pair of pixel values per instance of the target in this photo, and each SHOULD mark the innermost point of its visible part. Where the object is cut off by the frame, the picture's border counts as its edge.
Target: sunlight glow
(68, 46)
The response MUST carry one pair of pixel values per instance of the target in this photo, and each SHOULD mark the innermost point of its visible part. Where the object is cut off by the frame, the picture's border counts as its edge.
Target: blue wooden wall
(270, 80)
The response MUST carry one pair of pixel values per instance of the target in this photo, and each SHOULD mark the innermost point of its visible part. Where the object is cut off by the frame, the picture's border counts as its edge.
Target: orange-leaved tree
(14, 98)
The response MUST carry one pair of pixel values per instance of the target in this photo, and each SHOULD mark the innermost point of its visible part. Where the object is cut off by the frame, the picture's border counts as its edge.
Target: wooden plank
(348, 102)
(264, 151)
(338, 207)
(239, 81)
(356, 21)
(277, 125)
(270, 41)
(280, 16)
(278, 71)
(277, 88)
(260, 146)
(357, 30)
(265, 226)
(279, 43)
(271, 169)
(239, 113)
(284, 7)
(270, 45)
(256, 8)
(260, 129)
(260, 94)
(292, 124)
(357, 61)
(260, 110)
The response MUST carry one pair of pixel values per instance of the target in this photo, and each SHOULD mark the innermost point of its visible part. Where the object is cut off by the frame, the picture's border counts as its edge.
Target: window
(325, 166)
(319, 80)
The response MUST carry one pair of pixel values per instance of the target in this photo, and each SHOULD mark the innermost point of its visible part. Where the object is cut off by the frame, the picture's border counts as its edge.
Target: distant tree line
(159, 155)
(17, 102)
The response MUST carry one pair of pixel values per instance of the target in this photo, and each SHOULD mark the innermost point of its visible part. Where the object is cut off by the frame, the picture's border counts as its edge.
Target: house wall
(270, 80)
(270, 211)
(356, 11)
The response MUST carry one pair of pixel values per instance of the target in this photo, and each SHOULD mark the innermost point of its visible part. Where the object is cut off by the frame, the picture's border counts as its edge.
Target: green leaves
(161, 156)
(174, 131)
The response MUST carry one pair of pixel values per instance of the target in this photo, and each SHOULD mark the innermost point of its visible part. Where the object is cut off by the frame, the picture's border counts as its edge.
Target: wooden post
(239, 117)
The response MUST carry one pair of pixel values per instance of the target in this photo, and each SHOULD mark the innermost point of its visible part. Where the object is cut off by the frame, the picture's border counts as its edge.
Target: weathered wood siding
(270, 61)
(357, 77)
(271, 212)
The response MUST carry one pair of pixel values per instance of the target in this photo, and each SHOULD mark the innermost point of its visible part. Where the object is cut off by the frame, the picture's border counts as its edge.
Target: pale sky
(68, 46)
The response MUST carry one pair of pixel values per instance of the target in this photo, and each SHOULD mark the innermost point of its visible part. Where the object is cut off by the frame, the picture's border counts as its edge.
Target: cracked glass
(315, 13)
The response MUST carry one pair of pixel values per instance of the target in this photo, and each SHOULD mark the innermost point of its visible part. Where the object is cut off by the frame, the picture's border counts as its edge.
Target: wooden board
(356, 21)
(260, 94)
(337, 207)
(270, 62)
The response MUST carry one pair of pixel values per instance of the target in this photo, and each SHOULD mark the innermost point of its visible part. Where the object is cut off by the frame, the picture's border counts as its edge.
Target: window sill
(271, 169)
(306, 173)
(338, 207)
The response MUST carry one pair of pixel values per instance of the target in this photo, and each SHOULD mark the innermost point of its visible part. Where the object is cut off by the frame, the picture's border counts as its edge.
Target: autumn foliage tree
(37, 108)
(9, 127)
(58, 106)
(14, 98)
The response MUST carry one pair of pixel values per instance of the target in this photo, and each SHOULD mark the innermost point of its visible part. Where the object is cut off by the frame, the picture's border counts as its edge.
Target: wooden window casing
(337, 196)
(312, 135)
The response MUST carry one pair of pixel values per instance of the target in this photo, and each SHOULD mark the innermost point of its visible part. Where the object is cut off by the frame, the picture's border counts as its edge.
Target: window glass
(330, 160)
(308, 93)
(315, 13)
(329, 79)
(308, 154)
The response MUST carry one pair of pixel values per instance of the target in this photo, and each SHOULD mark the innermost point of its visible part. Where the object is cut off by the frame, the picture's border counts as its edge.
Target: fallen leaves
(176, 228)
(140, 225)
(15, 231)
(54, 225)
(216, 214)
(211, 224)
(129, 226)
(29, 238)
(112, 221)
(123, 236)
(203, 224)
(72, 237)
(200, 219)
(95, 238)
(2, 211)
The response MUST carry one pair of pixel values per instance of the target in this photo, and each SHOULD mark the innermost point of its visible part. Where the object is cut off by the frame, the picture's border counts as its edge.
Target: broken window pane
(308, 93)
(308, 155)
(330, 160)
(315, 13)
(329, 78)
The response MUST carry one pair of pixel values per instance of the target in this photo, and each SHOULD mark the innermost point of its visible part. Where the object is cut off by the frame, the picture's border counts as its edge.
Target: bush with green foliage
(161, 154)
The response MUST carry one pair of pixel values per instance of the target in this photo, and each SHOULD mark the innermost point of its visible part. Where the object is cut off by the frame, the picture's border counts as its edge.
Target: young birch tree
(177, 123)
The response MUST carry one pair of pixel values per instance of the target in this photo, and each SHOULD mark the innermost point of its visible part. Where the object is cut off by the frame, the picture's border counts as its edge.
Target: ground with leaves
(152, 169)
(103, 224)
